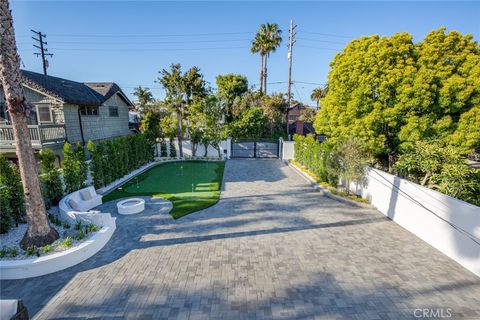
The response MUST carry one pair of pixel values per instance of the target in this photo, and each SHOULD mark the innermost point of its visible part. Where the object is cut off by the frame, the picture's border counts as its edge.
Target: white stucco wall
(428, 214)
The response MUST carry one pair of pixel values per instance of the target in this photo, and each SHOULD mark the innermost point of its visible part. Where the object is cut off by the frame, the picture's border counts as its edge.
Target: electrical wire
(409, 197)
(327, 34)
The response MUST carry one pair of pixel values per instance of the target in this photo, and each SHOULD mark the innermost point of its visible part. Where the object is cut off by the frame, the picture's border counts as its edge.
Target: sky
(129, 42)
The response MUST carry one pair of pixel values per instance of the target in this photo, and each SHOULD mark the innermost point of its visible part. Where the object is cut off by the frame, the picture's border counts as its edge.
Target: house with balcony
(67, 111)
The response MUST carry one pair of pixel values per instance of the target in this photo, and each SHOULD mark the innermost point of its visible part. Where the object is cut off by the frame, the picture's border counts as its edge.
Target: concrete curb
(326, 192)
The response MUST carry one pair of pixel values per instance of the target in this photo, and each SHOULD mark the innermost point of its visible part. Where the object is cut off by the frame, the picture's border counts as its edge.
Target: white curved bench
(80, 201)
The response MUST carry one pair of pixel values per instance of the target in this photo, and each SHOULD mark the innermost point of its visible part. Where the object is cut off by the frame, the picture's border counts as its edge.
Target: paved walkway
(271, 248)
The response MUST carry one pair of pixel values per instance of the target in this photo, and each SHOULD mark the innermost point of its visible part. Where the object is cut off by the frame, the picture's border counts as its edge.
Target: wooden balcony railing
(41, 135)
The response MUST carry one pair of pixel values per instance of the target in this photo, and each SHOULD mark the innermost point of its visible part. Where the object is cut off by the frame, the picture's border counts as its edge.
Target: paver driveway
(271, 248)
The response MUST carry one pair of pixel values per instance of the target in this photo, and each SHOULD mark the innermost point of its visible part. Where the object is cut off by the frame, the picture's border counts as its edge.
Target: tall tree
(144, 96)
(39, 232)
(230, 87)
(258, 46)
(273, 39)
(319, 93)
(391, 92)
(181, 90)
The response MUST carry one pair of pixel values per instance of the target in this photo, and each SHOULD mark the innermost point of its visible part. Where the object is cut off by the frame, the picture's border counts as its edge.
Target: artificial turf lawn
(175, 181)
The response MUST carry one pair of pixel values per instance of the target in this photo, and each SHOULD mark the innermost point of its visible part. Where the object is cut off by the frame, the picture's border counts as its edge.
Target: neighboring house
(69, 111)
(295, 125)
(301, 128)
(294, 112)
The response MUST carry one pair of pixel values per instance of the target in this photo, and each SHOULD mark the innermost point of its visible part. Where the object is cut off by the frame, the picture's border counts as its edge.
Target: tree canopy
(391, 92)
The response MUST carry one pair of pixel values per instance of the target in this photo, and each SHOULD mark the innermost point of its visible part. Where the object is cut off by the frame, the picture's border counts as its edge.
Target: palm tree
(319, 93)
(258, 45)
(144, 96)
(39, 232)
(267, 39)
(273, 38)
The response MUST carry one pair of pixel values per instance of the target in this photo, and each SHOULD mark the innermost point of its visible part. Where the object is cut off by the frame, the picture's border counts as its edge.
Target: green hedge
(12, 206)
(319, 158)
(113, 159)
(51, 179)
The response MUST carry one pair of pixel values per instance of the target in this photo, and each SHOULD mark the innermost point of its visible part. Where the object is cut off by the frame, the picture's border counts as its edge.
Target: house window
(113, 111)
(89, 110)
(3, 112)
(44, 113)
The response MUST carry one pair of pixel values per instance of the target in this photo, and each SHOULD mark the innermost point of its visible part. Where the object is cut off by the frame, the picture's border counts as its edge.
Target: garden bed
(70, 236)
(76, 243)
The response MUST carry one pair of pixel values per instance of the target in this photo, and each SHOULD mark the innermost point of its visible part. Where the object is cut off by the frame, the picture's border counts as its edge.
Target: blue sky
(129, 42)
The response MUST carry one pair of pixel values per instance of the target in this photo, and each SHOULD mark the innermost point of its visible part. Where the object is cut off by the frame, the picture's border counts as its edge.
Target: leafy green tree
(181, 90)
(390, 92)
(144, 97)
(150, 125)
(274, 108)
(97, 164)
(50, 177)
(230, 87)
(467, 134)
(352, 160)
(250, 125)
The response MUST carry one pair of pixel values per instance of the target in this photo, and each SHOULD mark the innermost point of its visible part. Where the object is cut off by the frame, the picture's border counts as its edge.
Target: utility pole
(43, 50)
(290, 47)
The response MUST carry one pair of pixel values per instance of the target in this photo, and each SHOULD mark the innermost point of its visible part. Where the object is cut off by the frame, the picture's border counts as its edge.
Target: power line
(328, 34)
(145, 49)
(318, 40)
(42, 47)
(146, 35)
(320, 48)
(146, 42)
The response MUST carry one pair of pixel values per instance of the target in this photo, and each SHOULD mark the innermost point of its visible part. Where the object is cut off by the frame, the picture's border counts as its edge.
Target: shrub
(93, 227)
(66, 243)
(74, 167)
(11, 195)
(80, 235)
(163, 149)
(173, 150)
(320, 158)
(47, 248)
(442, 168)
(113, 159)
(78, 225)
(31, 251)
(8, 252)
(51, 178)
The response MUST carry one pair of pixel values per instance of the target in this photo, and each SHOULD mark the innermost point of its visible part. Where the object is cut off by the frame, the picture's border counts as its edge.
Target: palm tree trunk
(39, 232)
(261, 73)
(265, 75)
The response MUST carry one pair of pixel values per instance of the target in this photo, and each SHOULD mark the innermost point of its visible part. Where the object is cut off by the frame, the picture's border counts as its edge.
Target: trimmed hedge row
(12, 205)
(319, 158)
(113, 159)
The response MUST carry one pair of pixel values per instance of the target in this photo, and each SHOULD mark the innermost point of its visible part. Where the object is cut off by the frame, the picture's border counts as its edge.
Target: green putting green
(189, 185)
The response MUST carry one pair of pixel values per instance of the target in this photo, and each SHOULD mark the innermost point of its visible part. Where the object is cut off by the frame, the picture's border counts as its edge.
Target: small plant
(93, 227)
(47, 248)
(66, 225)
(3, 252)
(31, 251)
(80, 235)
(13, 251)
(66, 243)
(78, 225)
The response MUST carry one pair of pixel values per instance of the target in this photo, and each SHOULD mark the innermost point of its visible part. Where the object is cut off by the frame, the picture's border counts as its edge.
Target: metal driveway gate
(255, 148)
